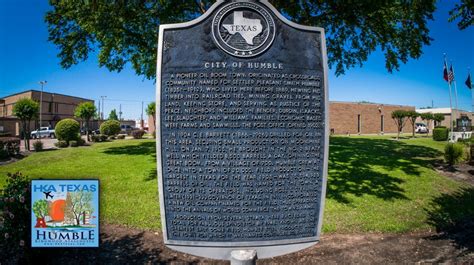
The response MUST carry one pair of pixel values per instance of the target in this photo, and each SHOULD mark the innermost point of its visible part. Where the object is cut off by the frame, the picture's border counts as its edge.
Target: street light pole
(42, 83)
(103, 97)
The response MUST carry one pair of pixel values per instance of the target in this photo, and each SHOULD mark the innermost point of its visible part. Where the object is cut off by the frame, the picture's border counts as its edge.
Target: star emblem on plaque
(243, 29)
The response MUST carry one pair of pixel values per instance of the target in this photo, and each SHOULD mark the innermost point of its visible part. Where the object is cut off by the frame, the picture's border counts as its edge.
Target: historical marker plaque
(242, 131)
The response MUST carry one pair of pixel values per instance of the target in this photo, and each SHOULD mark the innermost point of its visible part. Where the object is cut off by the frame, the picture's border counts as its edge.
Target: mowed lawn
(126, 169)
(375, 184)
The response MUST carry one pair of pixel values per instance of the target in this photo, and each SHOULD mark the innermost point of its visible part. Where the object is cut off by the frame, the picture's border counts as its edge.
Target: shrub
(38, 146)
(73, 144)
(3, 154)
(15, 206)
(466, 142)
(61, 144)
(95, 138)
(99, 138)
(67, 130)
(9, 146)
(440, 134)
(121, 136)
(110, 127)
(454, 153)
(5, 134)
(80, 142)
(138, 134)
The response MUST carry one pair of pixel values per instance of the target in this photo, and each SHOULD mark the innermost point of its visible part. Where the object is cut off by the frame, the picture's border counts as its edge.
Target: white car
(421, 128)
(43, 132)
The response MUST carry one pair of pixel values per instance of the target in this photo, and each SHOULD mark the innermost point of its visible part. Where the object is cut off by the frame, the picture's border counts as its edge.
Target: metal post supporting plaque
(242, 133)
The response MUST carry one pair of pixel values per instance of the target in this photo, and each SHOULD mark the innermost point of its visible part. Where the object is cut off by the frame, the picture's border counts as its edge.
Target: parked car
(43, 132)
(421, 128)
(126, 129)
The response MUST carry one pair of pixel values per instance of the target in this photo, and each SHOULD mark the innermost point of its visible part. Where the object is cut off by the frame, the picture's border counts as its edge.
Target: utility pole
(42, 83)
(103, 97)
(142, 124)
(120, 112)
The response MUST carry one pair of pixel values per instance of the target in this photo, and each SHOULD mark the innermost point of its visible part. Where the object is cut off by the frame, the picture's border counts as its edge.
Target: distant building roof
(45, 92)
(368, 103)
(439, 110)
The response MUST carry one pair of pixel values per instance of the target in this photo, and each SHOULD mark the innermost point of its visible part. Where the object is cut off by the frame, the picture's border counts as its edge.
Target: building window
(381, 123)
(50, 107)
(359, 127)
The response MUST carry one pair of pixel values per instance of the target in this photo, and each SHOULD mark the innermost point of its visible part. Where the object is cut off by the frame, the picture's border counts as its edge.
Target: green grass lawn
(375, 183)
(126, 169)
(381, 185)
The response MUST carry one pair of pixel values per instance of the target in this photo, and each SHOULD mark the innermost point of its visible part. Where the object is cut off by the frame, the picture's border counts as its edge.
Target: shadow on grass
(357, 166)
(123, 248)
(152, 175)
(453, 216)
(353, 163)
(144, 148)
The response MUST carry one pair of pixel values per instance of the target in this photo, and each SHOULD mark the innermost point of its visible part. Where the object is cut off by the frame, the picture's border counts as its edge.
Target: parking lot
(48, 143)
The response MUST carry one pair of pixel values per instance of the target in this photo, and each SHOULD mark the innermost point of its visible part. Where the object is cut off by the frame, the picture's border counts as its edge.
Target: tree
(125, 32)
(85, 111)
(400, 118)
(464, 11)
(26, 110)
(77, 205)
(428, 117)
(151, 111)
(113, 115)
(41, 208)
(412, 116)
(438, 118)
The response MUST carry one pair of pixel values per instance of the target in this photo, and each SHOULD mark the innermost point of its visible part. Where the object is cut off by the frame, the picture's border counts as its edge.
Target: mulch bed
(121, 245)
(462, 172)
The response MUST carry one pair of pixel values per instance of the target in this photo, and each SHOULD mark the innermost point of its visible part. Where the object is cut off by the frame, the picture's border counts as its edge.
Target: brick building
(363, 118)
(55, 107)
(355, 118)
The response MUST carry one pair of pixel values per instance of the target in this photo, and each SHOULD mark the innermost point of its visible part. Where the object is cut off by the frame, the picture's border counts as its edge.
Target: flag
(445, 72)
(468, 81)
(451, 74)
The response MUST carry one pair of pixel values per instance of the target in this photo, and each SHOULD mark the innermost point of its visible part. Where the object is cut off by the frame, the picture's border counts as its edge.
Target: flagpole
(470, 88)
(455, 93)
(450, 100)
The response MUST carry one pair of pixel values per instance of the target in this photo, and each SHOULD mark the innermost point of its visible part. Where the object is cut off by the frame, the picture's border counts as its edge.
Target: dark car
(126, 129)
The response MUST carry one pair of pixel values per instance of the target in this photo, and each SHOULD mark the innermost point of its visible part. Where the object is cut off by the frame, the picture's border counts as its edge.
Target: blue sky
(26, 57)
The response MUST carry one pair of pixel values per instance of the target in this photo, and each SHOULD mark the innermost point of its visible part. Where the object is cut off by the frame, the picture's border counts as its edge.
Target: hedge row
(440, 134)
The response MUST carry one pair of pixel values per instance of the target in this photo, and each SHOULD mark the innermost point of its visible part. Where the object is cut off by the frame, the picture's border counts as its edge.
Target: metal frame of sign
(222, 250)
